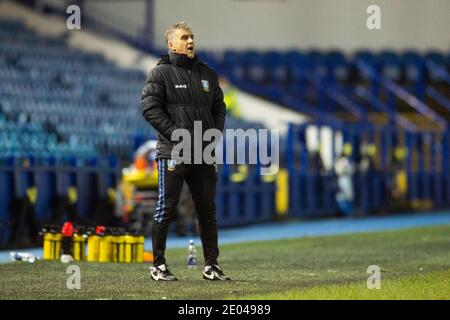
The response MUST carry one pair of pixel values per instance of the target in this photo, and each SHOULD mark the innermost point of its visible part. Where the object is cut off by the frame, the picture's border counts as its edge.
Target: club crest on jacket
(171, 165)
(205, 85)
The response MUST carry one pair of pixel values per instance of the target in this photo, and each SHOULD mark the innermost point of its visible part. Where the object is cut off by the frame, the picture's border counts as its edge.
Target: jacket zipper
(191, 89)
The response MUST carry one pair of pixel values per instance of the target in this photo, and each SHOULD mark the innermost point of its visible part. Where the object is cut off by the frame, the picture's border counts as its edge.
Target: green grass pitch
(415, 264)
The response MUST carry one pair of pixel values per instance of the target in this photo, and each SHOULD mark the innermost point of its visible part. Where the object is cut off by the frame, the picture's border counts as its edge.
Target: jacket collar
(178, 59)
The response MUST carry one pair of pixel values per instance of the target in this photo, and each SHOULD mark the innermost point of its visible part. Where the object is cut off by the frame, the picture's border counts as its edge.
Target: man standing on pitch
(179, 91)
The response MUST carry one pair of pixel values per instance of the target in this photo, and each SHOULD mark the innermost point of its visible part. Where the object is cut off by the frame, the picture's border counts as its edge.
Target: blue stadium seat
(298, 66)
(276, 66)
(390, 65)
(436, 57)
(413, 65)
(339, 67)
(318, 63)
(447, 61)
(368, 59)
(436, 63)
(255, 69)
(210, 60)
(234, 66)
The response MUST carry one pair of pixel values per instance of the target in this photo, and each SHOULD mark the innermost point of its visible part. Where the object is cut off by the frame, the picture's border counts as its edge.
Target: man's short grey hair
(179, 25)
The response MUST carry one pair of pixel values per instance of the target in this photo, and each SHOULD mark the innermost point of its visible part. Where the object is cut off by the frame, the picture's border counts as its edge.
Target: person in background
(344, 170)
(397, 183)
(230, 98)
(369, 178)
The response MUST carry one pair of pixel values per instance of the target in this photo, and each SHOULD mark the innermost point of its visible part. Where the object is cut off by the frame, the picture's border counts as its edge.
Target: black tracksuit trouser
(201, 179)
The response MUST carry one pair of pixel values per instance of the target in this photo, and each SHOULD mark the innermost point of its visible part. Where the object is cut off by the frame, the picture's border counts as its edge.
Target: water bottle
(22, 256)
(192, 255)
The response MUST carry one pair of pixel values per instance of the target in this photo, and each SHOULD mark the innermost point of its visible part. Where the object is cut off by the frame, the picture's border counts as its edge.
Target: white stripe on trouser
(160, 206)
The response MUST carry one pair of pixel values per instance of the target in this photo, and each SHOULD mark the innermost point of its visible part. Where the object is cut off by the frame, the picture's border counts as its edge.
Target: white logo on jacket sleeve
(205, 85)
(180, 86)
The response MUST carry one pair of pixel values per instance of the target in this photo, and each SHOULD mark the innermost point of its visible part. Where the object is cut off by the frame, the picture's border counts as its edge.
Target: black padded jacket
(179, 91)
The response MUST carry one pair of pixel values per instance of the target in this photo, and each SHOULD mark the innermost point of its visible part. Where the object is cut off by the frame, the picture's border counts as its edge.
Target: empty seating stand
(71, 119)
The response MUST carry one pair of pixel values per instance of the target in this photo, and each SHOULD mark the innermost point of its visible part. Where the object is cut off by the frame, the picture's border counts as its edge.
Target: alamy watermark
(374, 280)
(253, 147)
(74, 280)
(74, 20)
(373, 22)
